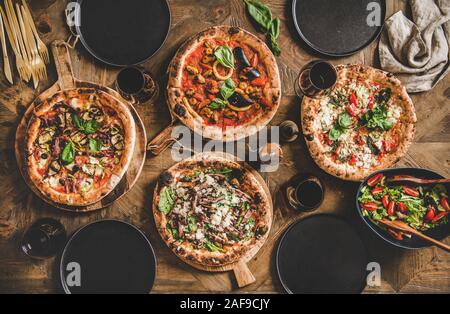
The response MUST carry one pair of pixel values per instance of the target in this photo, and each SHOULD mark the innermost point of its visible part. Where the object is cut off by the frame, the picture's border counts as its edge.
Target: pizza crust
(93, 196)
(204, 257)
(310, 106)
(189, 117)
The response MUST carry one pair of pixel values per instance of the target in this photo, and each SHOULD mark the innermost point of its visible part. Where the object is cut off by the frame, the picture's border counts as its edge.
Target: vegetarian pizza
(211, 211)
(79, 145)
(222, 81)
(366, 122)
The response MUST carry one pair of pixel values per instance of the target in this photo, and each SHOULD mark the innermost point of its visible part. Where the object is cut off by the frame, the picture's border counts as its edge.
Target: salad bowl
(439, 232)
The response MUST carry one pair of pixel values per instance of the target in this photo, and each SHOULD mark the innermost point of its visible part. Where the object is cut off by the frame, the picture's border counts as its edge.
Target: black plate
(123, 33)
(114, 257)
(336, 28)
(439, 233)
(322, 254)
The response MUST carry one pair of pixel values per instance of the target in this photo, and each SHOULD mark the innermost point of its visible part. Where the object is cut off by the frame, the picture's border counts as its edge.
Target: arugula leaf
(218, 104)
(166, 200)
(68, 153)
(173, 230)
(377, 119)
(260, 13)
(227, 89)
(384, 96)
(95, 145)
(335, 134)
(225, 56)
(210, 246)
(192, 223)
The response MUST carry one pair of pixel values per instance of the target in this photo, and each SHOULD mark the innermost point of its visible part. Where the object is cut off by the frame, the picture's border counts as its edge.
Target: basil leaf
(225, 56)
(260, 13)
(95, 145)
(218, 104)
(275, 27)
(344, 120)
(68, 153)
(192, 224)
(77, 121)
(91, 126)
(227, 89)
(166, 200)
(377, 119)
(335, 134)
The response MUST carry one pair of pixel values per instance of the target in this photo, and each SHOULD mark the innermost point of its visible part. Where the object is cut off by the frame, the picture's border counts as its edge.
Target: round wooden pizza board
(67, 81)
(244, 276)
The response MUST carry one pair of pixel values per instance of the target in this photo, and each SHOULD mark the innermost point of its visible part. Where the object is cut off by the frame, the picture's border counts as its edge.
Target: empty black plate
(322, 254)
(123, 33)
(111, 257)
(336, 27)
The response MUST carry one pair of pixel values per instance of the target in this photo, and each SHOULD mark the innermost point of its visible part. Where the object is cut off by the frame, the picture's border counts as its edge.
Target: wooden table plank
(424, 271)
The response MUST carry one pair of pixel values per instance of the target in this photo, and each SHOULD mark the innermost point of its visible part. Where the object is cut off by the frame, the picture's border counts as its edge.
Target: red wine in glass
(44, 239)
(315, 77)
(136, 85)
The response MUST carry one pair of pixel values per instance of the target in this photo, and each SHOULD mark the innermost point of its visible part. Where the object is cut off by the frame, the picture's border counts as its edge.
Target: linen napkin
(417, 50)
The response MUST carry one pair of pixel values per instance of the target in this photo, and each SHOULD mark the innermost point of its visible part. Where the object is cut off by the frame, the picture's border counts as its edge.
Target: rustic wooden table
(422, 271)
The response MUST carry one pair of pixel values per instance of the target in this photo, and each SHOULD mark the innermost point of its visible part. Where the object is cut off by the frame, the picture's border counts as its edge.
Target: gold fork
(37, 62)
(31, 57)
(14, 45)
(16, 31)
(6, 64)
(42, 48)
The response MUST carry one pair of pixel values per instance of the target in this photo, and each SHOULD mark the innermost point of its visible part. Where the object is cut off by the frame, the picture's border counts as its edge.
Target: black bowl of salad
(423, 207)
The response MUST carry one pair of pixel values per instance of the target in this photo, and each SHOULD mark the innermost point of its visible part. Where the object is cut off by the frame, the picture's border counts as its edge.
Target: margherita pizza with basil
(366, 122)
(211, 211)
(222, 81)
(79, 145)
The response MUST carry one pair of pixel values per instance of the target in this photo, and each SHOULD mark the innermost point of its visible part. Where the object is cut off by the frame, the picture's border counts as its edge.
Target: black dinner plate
(439, 233)
(336, 28)
(322, 254)
(113, 257)
(123, 33)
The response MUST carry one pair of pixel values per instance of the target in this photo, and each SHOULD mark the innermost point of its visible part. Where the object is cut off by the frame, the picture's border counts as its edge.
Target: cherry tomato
(430, 214)
(385, 200)
(371, 102)
(410, 191)
(444, 204)
(391, 208)
(370, 206)
(439, 216)
(375, 179)
(354, 100)
(353, 159)
(377, 191)
(352, 110)
(401, 207)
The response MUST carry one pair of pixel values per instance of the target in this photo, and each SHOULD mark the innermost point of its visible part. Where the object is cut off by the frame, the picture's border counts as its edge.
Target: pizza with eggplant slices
(211, 211)
(365, 123)
(223, 80)
(79, 145)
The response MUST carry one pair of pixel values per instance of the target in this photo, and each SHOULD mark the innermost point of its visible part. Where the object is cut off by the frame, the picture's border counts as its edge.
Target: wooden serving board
(67, 81)
(244, 276)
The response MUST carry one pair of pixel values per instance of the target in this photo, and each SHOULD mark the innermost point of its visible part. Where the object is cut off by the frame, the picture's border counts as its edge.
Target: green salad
(422, 207)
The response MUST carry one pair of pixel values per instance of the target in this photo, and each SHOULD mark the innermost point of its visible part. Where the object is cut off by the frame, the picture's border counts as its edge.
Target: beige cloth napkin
(417, 51)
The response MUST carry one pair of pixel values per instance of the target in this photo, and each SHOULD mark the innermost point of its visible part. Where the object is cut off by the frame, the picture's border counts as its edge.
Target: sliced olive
(44, 156)
(114, 130)
(241, 57)
(240, 101)
(252, 74)
(62, 181)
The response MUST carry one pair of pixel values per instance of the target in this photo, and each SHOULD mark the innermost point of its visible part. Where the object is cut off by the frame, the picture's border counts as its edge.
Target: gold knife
(6, 65)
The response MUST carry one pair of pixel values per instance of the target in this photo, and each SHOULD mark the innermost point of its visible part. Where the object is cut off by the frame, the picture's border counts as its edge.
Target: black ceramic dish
(114, 257)
(123, 33)
(321, 254)
(336, 28)
(439, 233)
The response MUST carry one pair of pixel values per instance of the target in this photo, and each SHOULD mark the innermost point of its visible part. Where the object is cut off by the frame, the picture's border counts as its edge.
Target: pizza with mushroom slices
(79, 145)
(211, 211)
(365, 123)
(223, 80)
